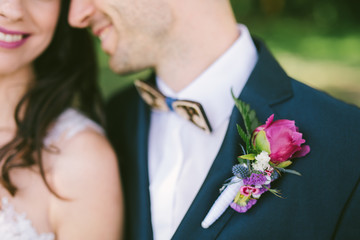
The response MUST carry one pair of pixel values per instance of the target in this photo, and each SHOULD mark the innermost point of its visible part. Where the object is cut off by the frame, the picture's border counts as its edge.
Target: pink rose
(280, 139)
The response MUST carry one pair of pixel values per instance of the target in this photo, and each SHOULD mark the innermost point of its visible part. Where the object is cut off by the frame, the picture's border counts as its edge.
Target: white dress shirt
(180, 154)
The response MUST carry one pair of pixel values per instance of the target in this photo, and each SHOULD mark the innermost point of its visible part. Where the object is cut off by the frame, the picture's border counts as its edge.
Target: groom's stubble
(143, 29)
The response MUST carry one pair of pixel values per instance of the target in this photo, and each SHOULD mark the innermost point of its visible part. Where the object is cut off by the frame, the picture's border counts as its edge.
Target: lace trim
(15, 226)
(70, 122)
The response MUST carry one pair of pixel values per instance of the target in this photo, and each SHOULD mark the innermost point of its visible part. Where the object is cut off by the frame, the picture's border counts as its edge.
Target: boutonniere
(268, 152)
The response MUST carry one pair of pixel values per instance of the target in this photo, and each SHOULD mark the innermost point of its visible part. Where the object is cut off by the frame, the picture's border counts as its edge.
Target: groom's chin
(122, 65)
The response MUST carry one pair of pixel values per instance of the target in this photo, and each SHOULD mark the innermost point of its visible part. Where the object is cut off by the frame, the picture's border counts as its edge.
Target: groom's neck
(197, 40)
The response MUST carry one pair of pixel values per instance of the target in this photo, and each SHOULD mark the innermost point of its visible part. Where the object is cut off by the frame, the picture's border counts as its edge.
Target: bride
(58, 174)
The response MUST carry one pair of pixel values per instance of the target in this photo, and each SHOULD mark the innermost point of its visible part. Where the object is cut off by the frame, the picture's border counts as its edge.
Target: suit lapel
(219, 172)
(260, 93)
(142, 220)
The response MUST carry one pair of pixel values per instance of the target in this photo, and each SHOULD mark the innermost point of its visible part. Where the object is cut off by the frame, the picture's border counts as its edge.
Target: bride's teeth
(10, 37)
(17, 37)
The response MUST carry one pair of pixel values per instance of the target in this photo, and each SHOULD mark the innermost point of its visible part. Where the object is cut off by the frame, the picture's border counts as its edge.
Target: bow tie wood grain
(190, 110)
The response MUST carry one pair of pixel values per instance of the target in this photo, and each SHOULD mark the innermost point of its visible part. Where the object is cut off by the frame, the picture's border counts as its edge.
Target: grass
(326, 60)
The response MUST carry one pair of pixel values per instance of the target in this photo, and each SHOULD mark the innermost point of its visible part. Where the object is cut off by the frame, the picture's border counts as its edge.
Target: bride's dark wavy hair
(65, 76)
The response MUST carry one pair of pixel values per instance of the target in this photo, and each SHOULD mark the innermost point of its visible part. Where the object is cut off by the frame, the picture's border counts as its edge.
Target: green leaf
(261, 142)
(237, 197)
(289, 171)
(284, 164)
(248, 156)
(275, 192)
(248, 115)
(243, 135)
(242, 161)
(254, 121)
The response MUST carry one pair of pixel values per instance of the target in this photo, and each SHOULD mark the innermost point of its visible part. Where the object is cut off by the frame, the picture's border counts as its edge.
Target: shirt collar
(212, 88)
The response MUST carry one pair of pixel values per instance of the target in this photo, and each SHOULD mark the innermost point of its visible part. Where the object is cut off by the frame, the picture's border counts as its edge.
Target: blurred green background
(316, 42)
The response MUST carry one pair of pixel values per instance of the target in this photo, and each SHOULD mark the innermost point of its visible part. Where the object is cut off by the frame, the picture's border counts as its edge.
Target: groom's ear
(80, 13)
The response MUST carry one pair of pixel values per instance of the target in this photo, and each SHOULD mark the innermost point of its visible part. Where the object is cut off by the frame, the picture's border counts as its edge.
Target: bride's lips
(12, 39)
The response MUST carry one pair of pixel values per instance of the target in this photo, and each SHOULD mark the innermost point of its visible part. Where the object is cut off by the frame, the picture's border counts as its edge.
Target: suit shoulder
(121, 106)
(322, 105)
(122, 99)
(329, 123)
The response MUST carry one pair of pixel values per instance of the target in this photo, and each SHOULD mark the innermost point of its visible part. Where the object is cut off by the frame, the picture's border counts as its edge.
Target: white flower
(263, 157)
(262, 162)
(268, 178)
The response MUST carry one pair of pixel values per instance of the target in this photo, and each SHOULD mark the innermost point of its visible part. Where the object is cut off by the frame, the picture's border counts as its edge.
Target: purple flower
(263, 189)
(280, 139)
(255, 179)
(242, 209)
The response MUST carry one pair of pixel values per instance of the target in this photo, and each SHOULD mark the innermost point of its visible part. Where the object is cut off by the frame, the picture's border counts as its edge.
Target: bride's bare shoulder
(84, 171)
(86, 156)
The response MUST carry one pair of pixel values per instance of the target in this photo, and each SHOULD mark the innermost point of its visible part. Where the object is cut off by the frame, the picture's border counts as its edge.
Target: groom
(172, 168)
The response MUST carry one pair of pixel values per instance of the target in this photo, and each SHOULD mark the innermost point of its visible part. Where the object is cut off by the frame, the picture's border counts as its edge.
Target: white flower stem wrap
(222, 202)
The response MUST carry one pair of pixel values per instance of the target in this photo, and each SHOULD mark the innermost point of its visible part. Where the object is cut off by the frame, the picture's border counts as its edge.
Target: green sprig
(288, 171)
(249, 116)
(250, 121)
(274, 191)
(245, 137)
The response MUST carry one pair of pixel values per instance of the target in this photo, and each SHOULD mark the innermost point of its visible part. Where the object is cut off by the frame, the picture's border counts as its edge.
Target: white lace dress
(15, 225)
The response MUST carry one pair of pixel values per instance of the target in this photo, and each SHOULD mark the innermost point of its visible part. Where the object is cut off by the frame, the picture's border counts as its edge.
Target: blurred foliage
(317, 42)
(327, 14)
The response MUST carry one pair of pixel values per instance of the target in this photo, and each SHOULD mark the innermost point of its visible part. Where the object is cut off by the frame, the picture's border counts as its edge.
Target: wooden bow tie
(190, 110)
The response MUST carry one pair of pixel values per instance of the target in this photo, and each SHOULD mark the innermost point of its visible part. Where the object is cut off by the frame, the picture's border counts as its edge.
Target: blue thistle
(240, 171)
(274, 175)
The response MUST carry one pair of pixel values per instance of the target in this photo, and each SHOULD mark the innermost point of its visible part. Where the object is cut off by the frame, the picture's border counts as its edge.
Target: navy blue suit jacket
(324, 203)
